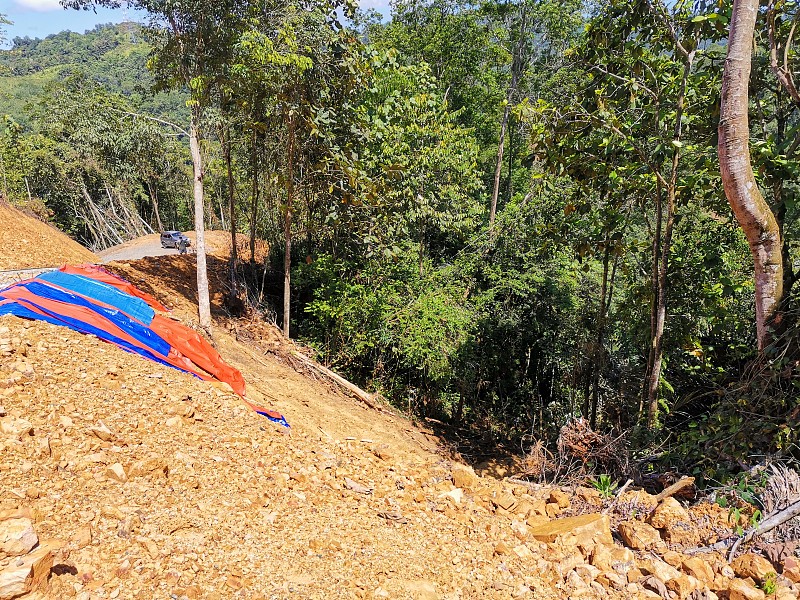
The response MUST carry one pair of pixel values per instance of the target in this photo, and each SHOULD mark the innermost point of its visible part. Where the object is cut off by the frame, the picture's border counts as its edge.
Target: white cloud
(380, 5)
(39, 5)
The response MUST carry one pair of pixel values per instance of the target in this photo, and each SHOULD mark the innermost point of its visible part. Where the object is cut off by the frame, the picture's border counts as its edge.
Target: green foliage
(402, 330)
(604, 485)
(87, 160)
(770, 583)
(417, 173)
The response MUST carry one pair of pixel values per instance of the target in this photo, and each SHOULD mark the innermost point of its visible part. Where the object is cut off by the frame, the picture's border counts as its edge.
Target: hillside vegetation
(503, 217)
(113, 56)
(556, 240)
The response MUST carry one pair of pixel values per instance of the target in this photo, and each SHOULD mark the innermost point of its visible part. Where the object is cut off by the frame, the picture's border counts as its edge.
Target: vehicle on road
(172, 239)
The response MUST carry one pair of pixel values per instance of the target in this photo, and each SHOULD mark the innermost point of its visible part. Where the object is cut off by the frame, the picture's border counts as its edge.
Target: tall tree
(192, 40)
(306, 64)
(634, 124)
(751, 210)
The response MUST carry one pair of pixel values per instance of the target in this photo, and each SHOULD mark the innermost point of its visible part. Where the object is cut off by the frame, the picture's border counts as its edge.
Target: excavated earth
(28, 243)
(143, 482)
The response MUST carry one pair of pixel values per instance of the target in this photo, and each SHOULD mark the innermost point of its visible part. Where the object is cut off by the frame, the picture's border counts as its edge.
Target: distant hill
(113, 55)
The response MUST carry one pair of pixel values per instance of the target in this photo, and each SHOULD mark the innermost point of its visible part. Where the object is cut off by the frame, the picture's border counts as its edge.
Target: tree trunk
(662, 248)
(660, 317)
(226, 150)
(287, 230)
(751, 210)
(651, 357)
(154, 200)
(254, 198)
(499, 164)
(203, 303)
(516, 67)
(600, 336)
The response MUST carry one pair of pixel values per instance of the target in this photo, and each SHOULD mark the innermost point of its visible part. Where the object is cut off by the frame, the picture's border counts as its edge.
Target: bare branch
(661, 12)
(149, 118)
(624, 80)
(782, 73)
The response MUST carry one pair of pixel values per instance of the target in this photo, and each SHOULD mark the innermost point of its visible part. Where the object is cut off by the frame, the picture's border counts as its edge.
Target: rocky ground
(121, 478)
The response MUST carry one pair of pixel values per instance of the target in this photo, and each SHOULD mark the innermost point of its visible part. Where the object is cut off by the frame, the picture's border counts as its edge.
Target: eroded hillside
(154, 484)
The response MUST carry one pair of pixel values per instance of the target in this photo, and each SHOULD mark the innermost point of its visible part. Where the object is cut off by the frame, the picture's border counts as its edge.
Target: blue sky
(40, 18)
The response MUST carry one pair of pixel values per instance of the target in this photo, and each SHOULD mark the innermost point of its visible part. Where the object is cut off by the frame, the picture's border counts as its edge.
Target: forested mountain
(500, 215)
(113, 56)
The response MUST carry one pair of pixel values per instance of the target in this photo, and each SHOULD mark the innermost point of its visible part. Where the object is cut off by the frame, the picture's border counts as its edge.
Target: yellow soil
(27, 242)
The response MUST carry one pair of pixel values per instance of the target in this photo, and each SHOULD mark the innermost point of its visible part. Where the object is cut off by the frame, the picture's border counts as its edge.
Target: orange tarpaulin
(194, 346)
(97, 308)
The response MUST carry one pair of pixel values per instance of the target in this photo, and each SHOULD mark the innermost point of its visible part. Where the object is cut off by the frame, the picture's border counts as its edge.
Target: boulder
(792, 573)
(101, 431)
(15, 426)
(587, 572)
(752, 565)
(639, 535)
(421, 590)
(537, 520)
(501, 548)
(553, 509)
(523, 551)
(17, 537)
(653, 584)
(612, 580)
(464, 477)
(505, 501)
(784, 593)
(668, 513)
(682, 586)
(608, 557)
(583, 530)
(699, 569)
(560, 498)
(741, 590)
(82, 537)
(117, 472)
(660, 569)
(672, 558)
(149, 466)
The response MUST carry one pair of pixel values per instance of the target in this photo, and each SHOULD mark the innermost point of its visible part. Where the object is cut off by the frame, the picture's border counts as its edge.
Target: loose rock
(17, 537)
(752, 565)
(639, 535)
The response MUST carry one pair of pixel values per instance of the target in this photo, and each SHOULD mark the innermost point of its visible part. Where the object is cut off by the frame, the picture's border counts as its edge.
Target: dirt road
(149, 245)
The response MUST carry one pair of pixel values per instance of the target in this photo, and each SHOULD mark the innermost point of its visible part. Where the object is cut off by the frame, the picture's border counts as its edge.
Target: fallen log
(365, 397)
(765, 526)
(674, 488)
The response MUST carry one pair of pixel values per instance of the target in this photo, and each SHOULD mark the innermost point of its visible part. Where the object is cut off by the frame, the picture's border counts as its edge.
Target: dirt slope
(220, 503)
(163, 486)
(30, 243)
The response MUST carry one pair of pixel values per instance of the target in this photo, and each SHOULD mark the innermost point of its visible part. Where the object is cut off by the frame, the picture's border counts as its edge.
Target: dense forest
(498, 215)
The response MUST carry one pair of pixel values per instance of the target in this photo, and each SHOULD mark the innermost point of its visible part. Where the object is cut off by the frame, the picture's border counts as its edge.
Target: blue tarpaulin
(91, 288)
